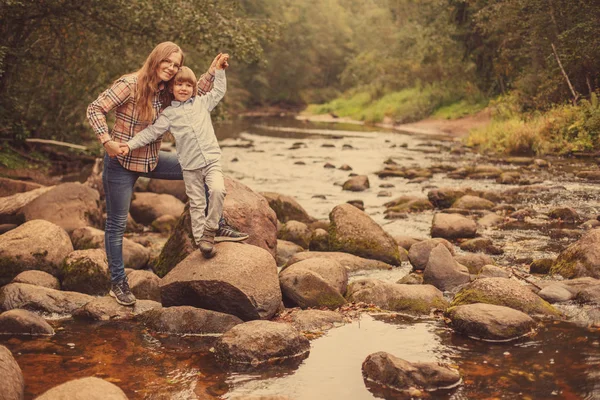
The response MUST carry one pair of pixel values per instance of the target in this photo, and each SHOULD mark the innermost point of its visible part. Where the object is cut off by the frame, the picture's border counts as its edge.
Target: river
(561, 361)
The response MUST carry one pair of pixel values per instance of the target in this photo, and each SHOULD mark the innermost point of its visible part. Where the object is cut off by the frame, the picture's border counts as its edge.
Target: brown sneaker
(207, 243)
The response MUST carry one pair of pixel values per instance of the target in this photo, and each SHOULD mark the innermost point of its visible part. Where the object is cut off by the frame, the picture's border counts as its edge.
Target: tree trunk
(573, 92)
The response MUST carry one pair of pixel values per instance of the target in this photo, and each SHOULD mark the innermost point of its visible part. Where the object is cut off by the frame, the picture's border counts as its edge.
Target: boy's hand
(214, 64)
(124, 149)
(223, 61)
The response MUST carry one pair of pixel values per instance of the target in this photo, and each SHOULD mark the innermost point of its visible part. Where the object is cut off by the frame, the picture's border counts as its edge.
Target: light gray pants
(212, 176)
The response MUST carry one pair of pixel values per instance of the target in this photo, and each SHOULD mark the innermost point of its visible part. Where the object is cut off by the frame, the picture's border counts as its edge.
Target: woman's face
(169, 66)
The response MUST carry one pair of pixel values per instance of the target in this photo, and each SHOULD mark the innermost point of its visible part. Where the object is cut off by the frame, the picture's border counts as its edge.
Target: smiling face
(168, 67)
(183, 90)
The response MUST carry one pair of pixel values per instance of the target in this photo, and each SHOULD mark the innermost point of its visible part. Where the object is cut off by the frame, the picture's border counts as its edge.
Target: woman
(138, 98)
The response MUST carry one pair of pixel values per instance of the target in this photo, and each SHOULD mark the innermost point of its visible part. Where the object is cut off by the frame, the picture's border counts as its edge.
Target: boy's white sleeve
(212, 98)
(150, 134)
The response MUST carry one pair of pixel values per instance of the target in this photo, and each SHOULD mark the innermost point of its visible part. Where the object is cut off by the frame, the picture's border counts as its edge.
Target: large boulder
(296, 232)
(85, 388)
(490, 322)
(285, 251)
(580, 259)
(107, 309)
(145, 285)
(69, 205)
(189, 320)
(390, 371)
(135, 255)
(35, 245)
(351, 262)
(23, 322)
(453, 226)
(474, 261)
(418, 255)
(164, 186)
(86, 271)
(37, 298)
(287, 208)
(244, 209)
(240, 280)
(38, 278)
(504, 292)
(257, 342)
(12, 384)
(353, 231)
(316, 282)
(443, 272)
(413, 299)
(146, 207)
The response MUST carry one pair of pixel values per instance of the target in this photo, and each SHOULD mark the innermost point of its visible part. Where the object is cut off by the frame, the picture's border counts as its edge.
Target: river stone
(492, 271)
(411, 279)
(296, 232)
(316, 282)
(240, 280)
(86, 271)
(541, 266)
(490, 322)
(69, 205)
(287, 208)
(490, 220)
(12, 384)
(35, 245)
(580, 259)
(107, 309)
(351, 262)
(23, 322)
(504, 292)
(189, 320)
(565, 214)
(593, 176)
(408, 204)
(406, 242)
(175, 188)
(353, 231)
(418, 255)
(589, 295)
(37, 298)
(8, 187)
(390, 371)
(257, 342)
(165, 224)
(474, 261)
(146, 207)
(469, 202)
(135, 255)
(556, 293)
(319, 240)
(445, 197)
(481, 245)
(443, 272)
(357, 183)
(453, 226)
(509, 178)
(414, 299)
(38, 278)
(285, 251)
(145, 285)
(90, 388)
(315, 320)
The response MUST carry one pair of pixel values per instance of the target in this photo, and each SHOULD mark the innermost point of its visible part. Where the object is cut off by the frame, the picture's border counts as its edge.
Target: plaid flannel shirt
(120, 97)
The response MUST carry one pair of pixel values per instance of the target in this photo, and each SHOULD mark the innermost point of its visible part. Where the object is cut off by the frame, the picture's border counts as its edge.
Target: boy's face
(183, 90)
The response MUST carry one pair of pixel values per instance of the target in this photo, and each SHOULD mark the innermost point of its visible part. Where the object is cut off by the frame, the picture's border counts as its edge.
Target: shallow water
(561, 361)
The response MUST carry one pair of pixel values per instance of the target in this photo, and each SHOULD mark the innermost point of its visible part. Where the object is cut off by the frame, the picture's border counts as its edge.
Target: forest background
(533, 64)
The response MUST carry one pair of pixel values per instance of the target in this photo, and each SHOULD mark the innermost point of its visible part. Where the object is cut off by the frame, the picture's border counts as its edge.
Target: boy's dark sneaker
(121, 292)
(207, 244)
(226, 233)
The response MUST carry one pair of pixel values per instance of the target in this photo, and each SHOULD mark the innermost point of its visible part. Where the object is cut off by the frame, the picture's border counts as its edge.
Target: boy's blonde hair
(184, 74)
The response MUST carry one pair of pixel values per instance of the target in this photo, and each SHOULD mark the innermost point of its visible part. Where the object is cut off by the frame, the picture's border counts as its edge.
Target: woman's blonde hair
(147, 80)
(185, 74)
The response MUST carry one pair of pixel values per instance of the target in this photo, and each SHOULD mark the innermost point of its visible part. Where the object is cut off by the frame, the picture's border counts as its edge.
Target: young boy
(188, 119)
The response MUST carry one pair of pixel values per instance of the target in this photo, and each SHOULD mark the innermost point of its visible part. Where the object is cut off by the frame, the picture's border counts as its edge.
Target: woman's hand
(112, 148)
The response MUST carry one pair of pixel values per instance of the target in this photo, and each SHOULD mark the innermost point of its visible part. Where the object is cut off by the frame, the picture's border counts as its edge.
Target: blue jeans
(118, 187)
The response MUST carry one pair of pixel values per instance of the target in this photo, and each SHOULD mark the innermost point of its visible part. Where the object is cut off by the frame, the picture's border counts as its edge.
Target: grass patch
(460, 109)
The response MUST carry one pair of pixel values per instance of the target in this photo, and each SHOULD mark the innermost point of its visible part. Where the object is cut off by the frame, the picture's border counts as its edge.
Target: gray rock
(85, 388)
(37, 298)
(164, 186)
(469, 202)
(352, 231)
(453, 226)
(86, 271)
(556, 293)
(35, 245)
(107, 309)
(411, 279)
(492, 271)
(296, 232)
(443, 272)
(256, 342)
(12, 384)
(146, 207)
(389, 371)
(418, 255)
(357, 183)
(285, 251)
(319, 240)
(481, 245)
(38, 278)
(287, 208)
(315, 320)
(351, 262)
(580, 259)
(23, 322)
(474, 261)
(490, 322)
(189, 320)
(240, 280)
(414, 299)
(145, 285)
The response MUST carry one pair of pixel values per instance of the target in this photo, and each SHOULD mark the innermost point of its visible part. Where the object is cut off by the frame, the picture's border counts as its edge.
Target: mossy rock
(580, 259)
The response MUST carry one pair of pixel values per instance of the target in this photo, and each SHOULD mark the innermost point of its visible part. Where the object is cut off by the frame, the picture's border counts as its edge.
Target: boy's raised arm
(151, 133)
